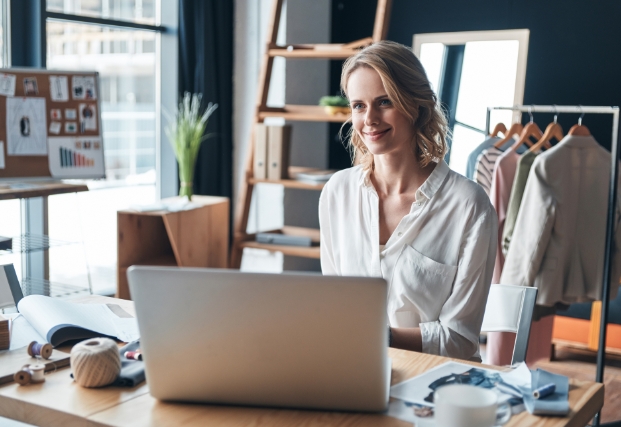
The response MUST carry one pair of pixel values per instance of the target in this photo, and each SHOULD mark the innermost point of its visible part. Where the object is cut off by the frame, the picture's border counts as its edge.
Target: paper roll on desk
(95, 362)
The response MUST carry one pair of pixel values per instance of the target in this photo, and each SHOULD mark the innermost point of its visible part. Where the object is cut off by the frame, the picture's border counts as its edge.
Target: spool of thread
(36, 349)
(544, 391)
(95, 362)
(133, 355)
(30, 374)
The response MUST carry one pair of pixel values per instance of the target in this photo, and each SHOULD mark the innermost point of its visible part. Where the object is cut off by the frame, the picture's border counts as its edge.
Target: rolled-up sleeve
(456, 332)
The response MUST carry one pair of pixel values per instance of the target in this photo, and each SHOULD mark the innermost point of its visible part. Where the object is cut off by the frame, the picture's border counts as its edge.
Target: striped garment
(485, 167)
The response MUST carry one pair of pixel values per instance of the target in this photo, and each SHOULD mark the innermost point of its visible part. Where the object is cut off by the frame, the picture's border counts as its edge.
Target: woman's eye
(357, 106)
(385, 102)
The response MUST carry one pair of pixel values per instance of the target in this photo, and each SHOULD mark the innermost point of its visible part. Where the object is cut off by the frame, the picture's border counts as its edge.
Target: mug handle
(503, 414)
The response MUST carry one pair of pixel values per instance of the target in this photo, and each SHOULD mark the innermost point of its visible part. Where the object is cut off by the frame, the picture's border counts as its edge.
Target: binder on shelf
(279, 141)
(260, 151)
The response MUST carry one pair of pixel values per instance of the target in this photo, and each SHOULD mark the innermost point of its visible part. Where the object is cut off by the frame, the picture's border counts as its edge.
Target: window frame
(463, 37)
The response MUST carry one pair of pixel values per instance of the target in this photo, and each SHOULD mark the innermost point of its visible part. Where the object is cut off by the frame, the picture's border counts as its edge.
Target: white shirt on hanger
(438, 262)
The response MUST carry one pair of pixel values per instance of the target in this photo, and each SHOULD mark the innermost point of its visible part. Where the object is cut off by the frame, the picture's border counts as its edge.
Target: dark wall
(574, 52)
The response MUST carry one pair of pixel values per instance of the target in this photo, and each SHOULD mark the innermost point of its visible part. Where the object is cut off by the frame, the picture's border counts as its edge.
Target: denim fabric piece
(555, 404)
(132, 371)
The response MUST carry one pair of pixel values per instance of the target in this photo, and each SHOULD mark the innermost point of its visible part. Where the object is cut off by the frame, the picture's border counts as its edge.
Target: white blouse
(438, 262)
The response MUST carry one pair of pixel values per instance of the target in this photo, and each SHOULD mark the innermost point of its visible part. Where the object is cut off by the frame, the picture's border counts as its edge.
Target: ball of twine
(95, 362)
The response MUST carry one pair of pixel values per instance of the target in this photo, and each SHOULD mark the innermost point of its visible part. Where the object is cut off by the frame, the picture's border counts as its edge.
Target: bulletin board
(50, 124)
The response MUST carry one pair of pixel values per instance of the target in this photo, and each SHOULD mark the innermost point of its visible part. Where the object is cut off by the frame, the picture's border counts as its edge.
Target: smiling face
(380, 125)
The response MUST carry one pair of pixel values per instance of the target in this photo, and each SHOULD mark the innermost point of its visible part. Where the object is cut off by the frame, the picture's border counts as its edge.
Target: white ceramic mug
(462, 405)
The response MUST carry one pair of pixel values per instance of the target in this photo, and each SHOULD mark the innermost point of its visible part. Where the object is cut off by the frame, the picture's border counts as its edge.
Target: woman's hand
(407, 339)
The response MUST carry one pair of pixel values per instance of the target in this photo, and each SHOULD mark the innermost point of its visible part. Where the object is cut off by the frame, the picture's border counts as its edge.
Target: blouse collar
(431, 185)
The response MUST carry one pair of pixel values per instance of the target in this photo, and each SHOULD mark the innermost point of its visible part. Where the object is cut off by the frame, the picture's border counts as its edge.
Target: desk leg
(35, 262)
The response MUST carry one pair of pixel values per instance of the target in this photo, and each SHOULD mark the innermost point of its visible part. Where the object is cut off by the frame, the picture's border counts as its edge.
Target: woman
(403, 215)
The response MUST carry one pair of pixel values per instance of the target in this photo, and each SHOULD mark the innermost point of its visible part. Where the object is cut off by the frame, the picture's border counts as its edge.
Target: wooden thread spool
(133, 355)
(30, 374)
(44, 350)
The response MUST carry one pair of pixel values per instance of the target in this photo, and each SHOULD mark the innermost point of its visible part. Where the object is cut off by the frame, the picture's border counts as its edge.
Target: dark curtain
(206, 66)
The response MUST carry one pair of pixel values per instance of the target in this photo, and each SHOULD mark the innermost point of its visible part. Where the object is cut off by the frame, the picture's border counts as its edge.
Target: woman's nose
(371, 117)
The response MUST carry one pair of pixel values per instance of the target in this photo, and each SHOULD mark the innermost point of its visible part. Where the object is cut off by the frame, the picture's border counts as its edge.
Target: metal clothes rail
(612, 203)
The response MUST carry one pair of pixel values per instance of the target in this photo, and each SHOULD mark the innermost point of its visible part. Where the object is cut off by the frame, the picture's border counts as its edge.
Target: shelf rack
(612, 203)
(313, 113)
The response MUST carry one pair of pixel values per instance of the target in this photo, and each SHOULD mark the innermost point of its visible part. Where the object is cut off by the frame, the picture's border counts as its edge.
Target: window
(139, 11)
(120, 39)
(471, 71)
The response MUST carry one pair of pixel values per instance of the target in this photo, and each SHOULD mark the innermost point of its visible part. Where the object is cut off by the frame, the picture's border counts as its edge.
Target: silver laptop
(289, 340)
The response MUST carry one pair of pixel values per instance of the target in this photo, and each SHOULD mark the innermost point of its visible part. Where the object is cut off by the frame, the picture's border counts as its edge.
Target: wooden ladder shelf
(314, 113)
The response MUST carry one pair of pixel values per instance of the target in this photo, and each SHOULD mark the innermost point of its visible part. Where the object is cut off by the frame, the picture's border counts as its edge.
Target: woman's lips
(375, 135)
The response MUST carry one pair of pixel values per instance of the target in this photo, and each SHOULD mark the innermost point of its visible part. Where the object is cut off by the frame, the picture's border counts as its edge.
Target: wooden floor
(581, 365)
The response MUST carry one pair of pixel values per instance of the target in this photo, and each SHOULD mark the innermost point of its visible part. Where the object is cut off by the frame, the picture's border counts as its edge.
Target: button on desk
(59, 402)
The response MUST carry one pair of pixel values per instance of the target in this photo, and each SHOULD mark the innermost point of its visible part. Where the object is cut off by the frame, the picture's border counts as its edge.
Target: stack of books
(5, 338)
(315, 177)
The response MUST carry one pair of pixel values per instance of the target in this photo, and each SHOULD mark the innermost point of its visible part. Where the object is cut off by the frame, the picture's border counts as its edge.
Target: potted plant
(335, 104)
(186, 133)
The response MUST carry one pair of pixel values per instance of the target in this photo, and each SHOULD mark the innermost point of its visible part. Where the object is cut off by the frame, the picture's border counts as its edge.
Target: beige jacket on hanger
(559, 237)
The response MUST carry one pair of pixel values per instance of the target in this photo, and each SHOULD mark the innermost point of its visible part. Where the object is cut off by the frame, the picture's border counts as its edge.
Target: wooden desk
(27, 189)
(60, 402)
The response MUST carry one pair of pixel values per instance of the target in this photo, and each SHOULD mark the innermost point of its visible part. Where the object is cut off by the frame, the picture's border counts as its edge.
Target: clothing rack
(612, 203)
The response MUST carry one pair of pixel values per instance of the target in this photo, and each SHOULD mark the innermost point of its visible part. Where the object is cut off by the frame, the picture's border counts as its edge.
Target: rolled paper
(133, 355)
(544, 391)
(95, 362)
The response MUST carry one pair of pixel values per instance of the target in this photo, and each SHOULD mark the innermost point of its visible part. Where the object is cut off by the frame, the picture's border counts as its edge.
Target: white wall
(303, 82)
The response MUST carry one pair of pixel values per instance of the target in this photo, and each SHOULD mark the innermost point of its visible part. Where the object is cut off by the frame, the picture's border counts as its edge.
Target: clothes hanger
(499, 128)
(516, 128)
(579, 129)
(530, 130)
(554, 130)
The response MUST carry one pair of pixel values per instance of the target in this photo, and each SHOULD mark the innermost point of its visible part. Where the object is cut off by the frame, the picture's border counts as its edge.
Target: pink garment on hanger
(502, 182)
(499, 349)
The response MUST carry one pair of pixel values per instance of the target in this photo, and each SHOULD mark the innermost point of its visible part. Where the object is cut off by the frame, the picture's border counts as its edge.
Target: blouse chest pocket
(421, 284)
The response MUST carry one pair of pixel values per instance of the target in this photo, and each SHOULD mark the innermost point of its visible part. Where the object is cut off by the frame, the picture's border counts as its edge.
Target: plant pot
(334, 110)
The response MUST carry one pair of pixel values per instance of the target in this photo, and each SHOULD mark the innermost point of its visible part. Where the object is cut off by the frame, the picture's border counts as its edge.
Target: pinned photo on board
(59, 88)
(71, 127)
(71, 114)
(55, 127)
(26, 126)
(56, 114)
(83, 87)
(30, 86)
(7, 84)
(88, 117)
(69, 159)
(86, 145)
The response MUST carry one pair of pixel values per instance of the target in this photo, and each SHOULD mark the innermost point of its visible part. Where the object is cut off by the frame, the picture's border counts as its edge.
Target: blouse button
(399, 234)
(418, 203)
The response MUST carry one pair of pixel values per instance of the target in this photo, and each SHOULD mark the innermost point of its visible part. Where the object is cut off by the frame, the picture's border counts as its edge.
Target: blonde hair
(409, 90)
